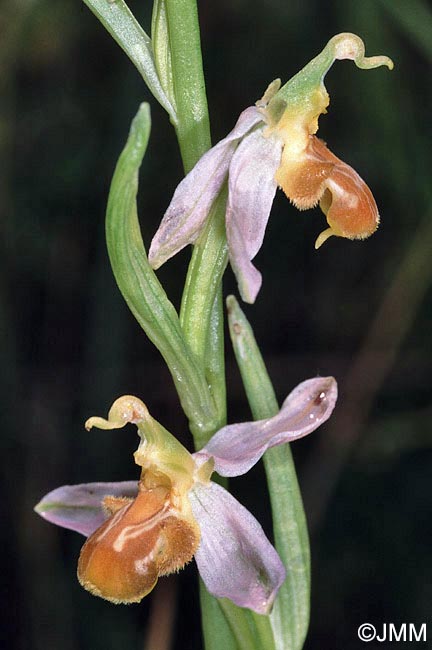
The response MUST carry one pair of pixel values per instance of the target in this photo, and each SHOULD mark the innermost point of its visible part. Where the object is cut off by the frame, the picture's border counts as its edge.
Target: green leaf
(290, 615)
(201, 314)
(139, 285)
(216, 630)
(228, 627)
(252, 631)
(161, 49)
(215, 358)
(119, 21)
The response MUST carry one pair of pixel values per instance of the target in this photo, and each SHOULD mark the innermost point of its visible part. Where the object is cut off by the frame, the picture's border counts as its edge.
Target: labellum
(144, 538)
(318, 176)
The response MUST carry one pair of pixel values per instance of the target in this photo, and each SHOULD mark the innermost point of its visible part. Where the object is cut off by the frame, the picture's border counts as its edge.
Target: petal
(195, 194)
(237, 447)
(79, 507)
(235, 558)
(252, 186)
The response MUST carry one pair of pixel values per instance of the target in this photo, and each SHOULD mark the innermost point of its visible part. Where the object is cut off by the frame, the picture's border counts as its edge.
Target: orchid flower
(138, 532)
(273, 144)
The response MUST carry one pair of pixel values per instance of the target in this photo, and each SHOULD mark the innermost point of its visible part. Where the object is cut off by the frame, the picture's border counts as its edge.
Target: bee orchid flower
(273, 144)
(140, 531)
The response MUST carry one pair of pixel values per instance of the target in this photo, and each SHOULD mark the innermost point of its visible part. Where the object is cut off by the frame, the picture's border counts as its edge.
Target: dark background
(359, 311)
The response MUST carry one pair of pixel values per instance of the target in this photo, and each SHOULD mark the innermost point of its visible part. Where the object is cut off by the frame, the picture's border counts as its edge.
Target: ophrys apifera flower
(140, 531)
(273, 144)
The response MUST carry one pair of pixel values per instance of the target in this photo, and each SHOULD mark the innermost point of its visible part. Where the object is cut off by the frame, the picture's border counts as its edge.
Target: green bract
(139, 285)
(119, 21)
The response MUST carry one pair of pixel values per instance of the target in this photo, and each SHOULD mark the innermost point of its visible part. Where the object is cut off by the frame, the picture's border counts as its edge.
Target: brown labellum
(303, 180)
(148, 537)
(343, 196)
(347, 201)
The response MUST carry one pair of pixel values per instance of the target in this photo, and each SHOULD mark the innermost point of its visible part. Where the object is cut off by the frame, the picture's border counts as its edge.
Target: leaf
(119, 21)
(290, 615)
(139, 285)
(161, 49)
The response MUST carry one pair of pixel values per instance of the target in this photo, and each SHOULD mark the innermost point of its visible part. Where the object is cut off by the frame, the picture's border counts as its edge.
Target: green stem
(290, 615)
(215, 363)
(209, 257)
(200, 309)
(209, 260)
(193, 126)
(202, 312)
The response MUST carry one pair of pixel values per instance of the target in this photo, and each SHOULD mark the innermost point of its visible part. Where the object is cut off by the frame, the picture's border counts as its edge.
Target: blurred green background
(359, 311)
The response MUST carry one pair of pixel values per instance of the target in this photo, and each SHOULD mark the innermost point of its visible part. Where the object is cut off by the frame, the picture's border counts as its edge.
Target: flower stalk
(193, 126)
(201, 314)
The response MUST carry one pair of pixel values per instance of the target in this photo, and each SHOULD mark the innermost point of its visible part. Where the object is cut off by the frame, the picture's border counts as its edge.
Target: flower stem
(201, 314)
(209, 258)
(193, 126)
(206, 268)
